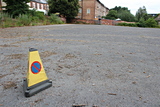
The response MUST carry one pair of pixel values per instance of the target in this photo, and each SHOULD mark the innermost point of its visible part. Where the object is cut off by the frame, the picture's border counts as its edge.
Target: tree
(141, 23)
(120, 12)
(111, 15)
(125, 15)
(119, 8)
(16, 7)
(142, 13)
(151, 22)
(67, 8)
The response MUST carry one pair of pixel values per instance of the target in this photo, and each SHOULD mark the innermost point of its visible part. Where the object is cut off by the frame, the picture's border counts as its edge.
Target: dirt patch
(26, 40)
(47, 54)
(69, 56)
(15, 67)
(9, 84)
(16, 56)
(38, 100)
(1, 76)
(5, 45)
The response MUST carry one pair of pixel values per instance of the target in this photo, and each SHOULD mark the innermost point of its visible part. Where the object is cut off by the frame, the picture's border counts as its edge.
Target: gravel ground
(92, 65)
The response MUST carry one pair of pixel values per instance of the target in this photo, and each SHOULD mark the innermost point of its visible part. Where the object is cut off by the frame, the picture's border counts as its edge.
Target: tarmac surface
(91, 65)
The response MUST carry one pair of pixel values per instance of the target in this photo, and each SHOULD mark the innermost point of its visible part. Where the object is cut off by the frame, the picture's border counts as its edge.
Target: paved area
(92, 65)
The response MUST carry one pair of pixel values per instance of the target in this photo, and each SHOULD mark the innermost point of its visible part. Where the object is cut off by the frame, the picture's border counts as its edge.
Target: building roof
(102, 4)
(158, 18)
(40, 1)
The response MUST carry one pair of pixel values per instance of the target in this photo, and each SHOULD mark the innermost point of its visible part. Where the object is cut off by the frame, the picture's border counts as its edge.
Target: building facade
(91, 9)
(39, 5)
(2, 4)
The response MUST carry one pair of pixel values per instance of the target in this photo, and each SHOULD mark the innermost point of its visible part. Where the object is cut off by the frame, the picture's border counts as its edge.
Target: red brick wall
(103, 21)
(108, 22)
(83, 21)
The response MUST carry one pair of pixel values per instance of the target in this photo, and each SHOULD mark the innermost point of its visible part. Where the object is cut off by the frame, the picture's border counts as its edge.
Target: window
(44, 6)
(40, 6)
(88, 11)
(80, 10)
(34, 5)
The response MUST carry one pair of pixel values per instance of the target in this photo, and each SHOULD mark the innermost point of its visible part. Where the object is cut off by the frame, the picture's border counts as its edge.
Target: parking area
(91, 65)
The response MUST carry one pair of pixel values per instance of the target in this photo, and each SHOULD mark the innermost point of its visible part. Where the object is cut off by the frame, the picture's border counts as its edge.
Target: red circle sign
(35, 67)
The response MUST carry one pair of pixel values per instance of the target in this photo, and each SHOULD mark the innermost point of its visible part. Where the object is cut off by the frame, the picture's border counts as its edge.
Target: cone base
(30, 91)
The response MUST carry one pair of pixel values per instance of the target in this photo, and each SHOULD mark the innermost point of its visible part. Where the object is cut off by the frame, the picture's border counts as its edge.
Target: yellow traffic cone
(36, 80)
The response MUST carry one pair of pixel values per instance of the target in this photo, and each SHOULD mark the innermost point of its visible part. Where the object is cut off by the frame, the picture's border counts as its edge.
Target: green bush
(24, 19)
(151, 23)
(32, 18)
(127, 24)
(141, 23)
(54, 19)
(32, 12)
(6, 20)
(40, 15)
(35, 19)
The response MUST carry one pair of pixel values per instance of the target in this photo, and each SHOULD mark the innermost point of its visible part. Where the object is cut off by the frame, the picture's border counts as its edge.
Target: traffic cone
(36, 80)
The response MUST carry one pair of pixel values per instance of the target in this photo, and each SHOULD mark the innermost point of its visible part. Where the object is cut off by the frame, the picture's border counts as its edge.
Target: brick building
(39, 5)
(91, 9)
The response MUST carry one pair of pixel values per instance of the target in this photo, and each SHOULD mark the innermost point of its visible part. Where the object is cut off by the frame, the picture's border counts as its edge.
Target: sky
(152, 6)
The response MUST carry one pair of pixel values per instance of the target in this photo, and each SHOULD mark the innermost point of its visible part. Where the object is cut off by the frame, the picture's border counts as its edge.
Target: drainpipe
(94, 9)
(82, 9)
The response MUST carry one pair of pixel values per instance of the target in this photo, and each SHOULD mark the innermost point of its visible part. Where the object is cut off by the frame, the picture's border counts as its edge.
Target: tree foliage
(119, 9)
(120, 12)
(145, 20)
(66, 8)
(16, 7)
(142, 13)
(151, 22)
(141, 23)
(112, 15)
(125, 15)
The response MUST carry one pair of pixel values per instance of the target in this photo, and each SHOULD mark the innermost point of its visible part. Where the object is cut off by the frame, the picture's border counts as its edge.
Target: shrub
(127, 24)
(151, 22)
(24, 19)
(32, 12)
(32, 18)
(54, 19)
(141, 23)
(40, 15)
(35, 19)
(6, 20)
